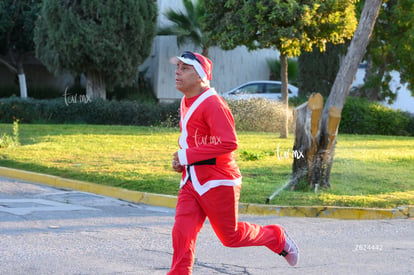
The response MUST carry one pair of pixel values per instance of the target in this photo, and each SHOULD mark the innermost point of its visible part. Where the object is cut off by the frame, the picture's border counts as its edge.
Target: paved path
(46, 230)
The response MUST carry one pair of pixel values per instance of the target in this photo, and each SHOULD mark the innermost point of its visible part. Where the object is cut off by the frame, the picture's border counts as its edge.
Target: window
(251, 89)
(273, 89)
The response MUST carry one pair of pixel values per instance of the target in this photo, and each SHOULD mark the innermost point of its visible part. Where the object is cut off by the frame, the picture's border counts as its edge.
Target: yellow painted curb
(411, 211)
(347, 213)
(115, 192)
(402, 212)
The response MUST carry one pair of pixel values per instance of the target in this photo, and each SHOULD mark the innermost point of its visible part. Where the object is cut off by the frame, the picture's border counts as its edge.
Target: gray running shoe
(290, 252)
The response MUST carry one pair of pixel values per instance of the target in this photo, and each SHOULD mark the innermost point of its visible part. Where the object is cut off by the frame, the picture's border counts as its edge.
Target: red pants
(220, 205)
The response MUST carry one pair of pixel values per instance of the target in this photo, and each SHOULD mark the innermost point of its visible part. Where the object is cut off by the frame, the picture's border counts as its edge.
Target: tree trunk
(284, 123)
(316, 129)
(22, 85)
(95, 85)
(205, 51)
(17, 68)
(22, 78)
(313, 147)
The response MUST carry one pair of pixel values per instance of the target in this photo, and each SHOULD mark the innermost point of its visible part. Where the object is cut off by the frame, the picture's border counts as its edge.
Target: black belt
(205, 162)
(202, 162)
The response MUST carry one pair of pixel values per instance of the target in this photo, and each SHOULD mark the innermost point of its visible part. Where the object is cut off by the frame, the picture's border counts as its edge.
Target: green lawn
(368, 171)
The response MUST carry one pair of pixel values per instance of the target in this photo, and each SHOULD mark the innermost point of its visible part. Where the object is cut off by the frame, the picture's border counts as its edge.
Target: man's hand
(176, 164)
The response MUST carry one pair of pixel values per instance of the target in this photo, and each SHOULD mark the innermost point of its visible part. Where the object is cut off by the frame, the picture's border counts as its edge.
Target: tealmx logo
(75, 98)
(200, 140)
(295, 154)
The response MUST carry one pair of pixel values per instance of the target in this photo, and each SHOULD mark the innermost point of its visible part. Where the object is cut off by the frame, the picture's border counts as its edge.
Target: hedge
(359, 116)
(62, 110)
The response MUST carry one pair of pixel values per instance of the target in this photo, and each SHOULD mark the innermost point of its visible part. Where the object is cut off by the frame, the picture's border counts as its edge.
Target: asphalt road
(45, 230)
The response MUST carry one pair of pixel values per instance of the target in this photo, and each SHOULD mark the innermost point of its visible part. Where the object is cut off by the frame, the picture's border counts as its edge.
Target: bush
(92, 112)
(16, 108)
(258, 115)
(10, 141)
(410, 126)
(360, 116)
(250, 115)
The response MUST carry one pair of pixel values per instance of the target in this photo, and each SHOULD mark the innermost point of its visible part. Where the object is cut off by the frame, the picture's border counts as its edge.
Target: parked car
(260, 89)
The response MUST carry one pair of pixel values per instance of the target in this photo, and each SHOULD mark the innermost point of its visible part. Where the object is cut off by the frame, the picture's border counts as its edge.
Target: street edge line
(350, 213)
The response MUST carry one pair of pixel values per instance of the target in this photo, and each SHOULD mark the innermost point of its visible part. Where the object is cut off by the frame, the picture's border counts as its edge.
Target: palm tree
(187, 25)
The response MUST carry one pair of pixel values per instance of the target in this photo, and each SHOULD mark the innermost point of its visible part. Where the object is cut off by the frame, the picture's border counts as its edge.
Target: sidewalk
(402, 212)
(50, 230)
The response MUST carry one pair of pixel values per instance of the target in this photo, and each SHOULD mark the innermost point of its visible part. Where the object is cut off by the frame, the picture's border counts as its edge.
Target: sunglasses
(190, 55)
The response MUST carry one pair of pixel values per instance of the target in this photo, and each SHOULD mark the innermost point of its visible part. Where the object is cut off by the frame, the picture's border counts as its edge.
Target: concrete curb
(332, 212)
(402, 212)
(115, 192)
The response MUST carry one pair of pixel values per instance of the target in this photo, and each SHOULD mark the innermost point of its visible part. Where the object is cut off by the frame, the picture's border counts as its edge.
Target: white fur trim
(197, 66)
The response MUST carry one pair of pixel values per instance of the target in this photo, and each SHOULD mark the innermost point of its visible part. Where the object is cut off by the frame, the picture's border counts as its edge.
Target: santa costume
(211, 181)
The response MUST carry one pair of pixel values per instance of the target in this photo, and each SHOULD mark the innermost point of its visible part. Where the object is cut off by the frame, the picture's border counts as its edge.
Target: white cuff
(182, 157)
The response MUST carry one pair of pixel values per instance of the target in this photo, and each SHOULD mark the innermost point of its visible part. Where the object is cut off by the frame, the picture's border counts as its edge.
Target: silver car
(260, 89)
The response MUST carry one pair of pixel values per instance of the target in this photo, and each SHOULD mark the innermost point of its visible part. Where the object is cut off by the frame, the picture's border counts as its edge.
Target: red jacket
(208, 141)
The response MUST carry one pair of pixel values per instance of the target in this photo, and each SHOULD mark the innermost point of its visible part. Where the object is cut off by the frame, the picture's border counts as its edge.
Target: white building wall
(230, 68)
(404, 100)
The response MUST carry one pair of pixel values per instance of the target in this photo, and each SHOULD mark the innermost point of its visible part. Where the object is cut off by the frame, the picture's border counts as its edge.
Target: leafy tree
(287, 25)
(274, 66)
(187, 25)
(317, 70)
(391, 48)
(316, 133)
(404, 51)
(17, 20)
(107, 40)
(292, 26)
